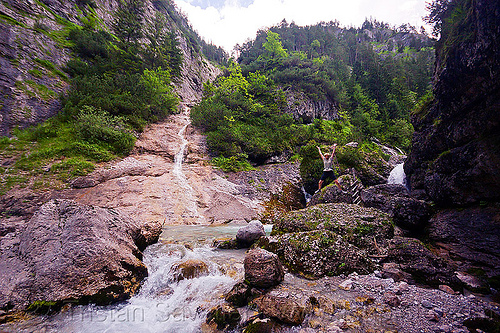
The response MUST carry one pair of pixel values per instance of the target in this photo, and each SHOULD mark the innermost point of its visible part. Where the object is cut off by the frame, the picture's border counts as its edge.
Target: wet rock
(263, 269)
(247, 235)
(150, 233)
(266, 325)
(366, 228)
(239, 294)
(71, 251)
(225, 243)
(318, 253)
(224, 316)
(189, 269)
(247, 316)
(394, 199)
(424, 266)
(281, 307)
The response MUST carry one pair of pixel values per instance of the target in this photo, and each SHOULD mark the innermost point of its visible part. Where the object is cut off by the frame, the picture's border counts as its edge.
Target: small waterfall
(397, 175)
(187, 208)
(307, 196)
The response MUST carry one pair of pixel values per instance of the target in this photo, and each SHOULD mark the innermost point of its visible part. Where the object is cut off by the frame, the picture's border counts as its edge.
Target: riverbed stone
(71, 252)
(239, 294)
(281, 307)
(224, 316)
(248, 234)
(263, 269)
(189, 269)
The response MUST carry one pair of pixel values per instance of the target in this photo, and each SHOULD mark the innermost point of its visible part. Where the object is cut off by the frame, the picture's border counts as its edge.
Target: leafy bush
(98, 127)
(234, 163)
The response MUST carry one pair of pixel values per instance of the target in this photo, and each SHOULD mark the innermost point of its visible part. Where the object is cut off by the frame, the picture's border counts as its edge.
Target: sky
(229, 22)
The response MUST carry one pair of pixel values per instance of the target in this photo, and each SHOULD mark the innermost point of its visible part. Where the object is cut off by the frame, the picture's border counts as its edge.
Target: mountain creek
(168, 179)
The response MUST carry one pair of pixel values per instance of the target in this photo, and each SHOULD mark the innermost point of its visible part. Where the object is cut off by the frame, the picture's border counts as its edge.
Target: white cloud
(232, 23)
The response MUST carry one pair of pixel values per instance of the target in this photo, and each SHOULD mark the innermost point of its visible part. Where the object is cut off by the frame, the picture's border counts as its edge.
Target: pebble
(439, 311)
(426, 304)
(346, 285)
(446, 289)
(444, 328)
(332, 328)
(401, 287)
(432, 316)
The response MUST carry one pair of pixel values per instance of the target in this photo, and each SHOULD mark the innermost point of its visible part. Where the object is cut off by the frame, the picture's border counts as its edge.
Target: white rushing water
(397, 175)
(187, 208)
(163, 304)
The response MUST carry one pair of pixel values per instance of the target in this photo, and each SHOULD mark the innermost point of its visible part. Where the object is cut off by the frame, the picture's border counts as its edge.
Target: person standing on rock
(328, 168)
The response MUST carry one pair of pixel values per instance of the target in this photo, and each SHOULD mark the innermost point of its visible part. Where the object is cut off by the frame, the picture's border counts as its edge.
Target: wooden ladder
(355, 190)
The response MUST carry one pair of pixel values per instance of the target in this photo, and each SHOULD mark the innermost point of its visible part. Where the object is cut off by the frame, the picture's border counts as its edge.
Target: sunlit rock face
(455, 155)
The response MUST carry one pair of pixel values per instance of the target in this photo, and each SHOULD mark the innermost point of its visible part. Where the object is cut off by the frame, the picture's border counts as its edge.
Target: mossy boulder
(314, 254)
(366, 228)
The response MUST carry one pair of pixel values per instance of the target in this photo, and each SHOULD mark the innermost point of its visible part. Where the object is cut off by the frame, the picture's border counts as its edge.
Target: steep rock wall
(455, 153)
(33, 52)
(300, 106)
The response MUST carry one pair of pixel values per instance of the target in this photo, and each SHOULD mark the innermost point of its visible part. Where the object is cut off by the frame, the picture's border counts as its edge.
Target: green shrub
(98, 127)
(235, 163)
(72, 167)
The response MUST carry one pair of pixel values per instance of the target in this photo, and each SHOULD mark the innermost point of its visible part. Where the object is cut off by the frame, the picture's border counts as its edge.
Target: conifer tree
(128, 21)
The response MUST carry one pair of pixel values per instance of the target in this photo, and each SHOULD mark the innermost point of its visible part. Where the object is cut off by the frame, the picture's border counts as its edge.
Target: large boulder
(366, 228)
(72, 253)
(263, 269)
(394, 199)
(282, 307)
(470, 235)
(248, 234)
(414, 258)
(314, 254)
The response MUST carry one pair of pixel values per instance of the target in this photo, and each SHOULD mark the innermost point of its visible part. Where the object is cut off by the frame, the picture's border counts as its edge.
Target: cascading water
(397, 175)
(187, 209)
(163, 304)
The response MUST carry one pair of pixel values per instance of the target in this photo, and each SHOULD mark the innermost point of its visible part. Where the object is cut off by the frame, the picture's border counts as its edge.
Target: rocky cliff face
(455, 155)
(34, 50)
(300, 106)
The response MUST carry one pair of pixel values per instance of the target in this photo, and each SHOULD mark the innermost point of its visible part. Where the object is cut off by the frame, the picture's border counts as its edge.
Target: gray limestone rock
(72, 253)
